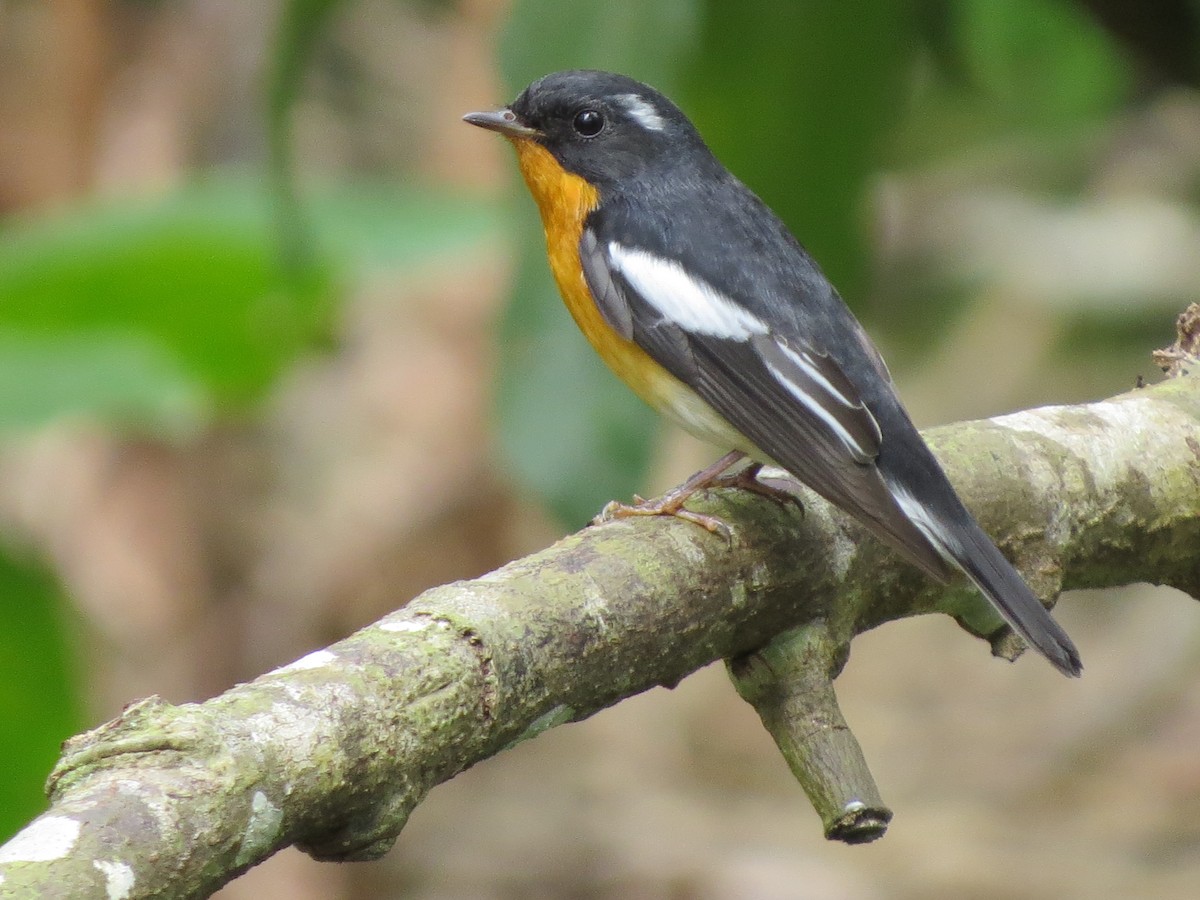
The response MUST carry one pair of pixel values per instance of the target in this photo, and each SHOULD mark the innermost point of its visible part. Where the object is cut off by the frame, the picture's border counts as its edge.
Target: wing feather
(792, 401)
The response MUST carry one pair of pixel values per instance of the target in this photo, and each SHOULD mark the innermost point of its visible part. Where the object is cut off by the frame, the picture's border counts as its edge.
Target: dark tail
(1006, 589)
(942, 536)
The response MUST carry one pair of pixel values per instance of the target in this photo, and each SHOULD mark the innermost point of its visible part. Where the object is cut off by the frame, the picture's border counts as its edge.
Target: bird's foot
(669, 504)
(747, 480)
(672, 502)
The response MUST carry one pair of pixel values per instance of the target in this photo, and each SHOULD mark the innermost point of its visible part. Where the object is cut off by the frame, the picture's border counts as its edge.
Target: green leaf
(645, 39)
(154, 313)
(1041, 64)
(124, 379)
(39, 708)
(363, 226)
(799, 99)
(195, 273)
(1025, 69)
(572, 433)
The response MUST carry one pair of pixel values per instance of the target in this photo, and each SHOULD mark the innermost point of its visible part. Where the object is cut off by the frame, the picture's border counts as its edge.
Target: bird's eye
(588, 123)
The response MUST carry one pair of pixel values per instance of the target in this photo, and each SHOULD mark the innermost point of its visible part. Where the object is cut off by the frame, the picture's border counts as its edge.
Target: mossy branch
(333, 752)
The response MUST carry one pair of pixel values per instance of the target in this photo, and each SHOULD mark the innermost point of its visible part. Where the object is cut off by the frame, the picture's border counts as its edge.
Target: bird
(703, 301)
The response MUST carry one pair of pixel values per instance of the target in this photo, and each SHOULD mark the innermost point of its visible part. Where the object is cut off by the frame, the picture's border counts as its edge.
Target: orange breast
(564, 201)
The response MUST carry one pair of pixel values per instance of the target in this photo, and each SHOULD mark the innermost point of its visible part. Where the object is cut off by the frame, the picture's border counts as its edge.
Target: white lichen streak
(739, 594)
(262, 829)
(1107, 461)
(118, 878)
(298, 725)
(43, 840)
(153, 802)
(1130, 421)
(593, 602)
(684, 543)
(403, 625)
(314, 660)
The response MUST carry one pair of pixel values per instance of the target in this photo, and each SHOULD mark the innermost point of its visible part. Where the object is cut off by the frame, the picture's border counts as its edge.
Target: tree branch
(334, 751)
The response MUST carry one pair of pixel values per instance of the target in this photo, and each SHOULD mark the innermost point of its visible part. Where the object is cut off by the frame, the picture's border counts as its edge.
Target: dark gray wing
(792, 401)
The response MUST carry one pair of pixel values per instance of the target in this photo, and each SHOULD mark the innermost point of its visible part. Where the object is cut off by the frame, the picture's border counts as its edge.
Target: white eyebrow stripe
(641, 111)
(688, 302)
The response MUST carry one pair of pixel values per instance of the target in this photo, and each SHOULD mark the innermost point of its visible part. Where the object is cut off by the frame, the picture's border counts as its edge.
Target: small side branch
(790, 683)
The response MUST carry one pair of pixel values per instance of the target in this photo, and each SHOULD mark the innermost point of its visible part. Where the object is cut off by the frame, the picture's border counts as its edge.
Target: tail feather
(958, 539)
(983, 563)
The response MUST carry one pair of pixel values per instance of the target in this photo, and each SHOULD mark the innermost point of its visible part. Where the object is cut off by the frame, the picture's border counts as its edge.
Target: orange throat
(565, 200)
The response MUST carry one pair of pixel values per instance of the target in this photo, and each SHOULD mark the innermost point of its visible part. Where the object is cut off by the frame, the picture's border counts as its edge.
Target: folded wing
(791, 400)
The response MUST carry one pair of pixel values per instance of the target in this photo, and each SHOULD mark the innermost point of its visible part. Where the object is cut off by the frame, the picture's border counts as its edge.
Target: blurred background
(278, 350)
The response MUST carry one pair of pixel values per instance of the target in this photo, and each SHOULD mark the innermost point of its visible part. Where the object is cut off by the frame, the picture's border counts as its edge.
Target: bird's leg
(671, 503)
(747, 480)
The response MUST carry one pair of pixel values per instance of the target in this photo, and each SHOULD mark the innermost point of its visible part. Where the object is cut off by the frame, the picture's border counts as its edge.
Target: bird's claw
(670, 504)
(747, 480)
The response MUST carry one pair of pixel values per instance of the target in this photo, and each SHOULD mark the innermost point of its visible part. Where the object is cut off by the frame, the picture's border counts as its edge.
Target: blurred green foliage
(1002, 71)
(192, 275)
(38, 697)
(121, 378)
(1039, 64)
(162, 313)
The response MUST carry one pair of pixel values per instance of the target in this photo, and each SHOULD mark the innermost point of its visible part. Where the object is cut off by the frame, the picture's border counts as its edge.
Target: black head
(607, 128)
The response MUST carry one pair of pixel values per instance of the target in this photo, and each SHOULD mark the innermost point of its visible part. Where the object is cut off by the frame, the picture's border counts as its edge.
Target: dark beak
(502, 120)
